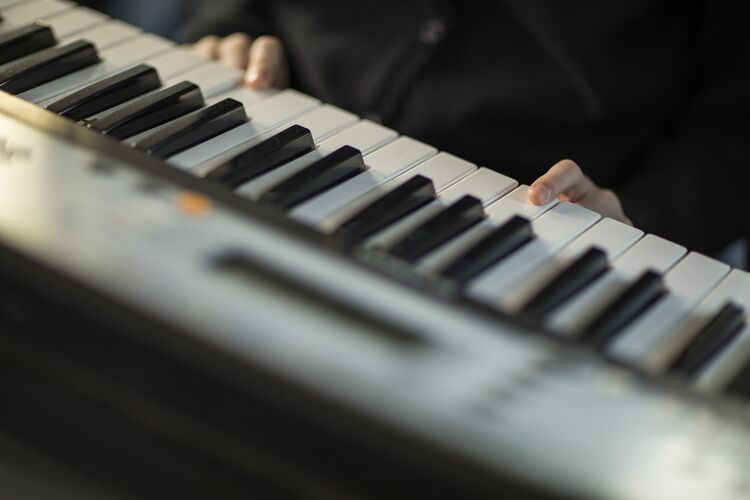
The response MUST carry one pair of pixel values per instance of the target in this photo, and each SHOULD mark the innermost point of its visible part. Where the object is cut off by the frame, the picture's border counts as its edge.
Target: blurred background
(163, 17)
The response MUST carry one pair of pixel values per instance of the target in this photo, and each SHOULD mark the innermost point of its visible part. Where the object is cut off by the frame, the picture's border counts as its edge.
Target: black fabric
(650, 97)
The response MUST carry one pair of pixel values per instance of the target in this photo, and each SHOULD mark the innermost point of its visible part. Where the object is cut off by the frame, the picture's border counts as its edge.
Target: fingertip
(258, 78)
(206, 47)
(540, 194)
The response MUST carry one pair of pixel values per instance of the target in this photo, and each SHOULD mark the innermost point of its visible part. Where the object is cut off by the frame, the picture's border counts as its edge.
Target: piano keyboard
(634, 298)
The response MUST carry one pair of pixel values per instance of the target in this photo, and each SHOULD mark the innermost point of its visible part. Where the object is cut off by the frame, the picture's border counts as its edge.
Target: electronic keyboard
(209, 291)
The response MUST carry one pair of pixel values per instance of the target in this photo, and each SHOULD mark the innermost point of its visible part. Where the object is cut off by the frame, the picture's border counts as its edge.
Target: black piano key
(149, 111)
(490, 250)
(632, 302)
(268, 155)
(405, 199)
(717, 334)
(108, 93)
(188, 131)
(47, 65)
(740, 385)
(449, 223)
(328, 172)
(21, 42)
(570, 281)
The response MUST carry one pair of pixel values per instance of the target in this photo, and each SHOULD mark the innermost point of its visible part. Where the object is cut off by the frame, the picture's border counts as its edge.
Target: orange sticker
(194, 204)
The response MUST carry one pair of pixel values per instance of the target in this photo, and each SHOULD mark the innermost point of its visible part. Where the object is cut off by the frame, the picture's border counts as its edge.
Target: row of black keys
(179, 105)
(37, 60)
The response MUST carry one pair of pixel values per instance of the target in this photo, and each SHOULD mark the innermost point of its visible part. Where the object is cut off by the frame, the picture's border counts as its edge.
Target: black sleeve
(694, 185)
(209, 17)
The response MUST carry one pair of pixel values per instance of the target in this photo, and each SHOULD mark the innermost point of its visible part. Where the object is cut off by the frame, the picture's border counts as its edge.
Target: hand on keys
(263, 59)
(265, 64)
(566, 181)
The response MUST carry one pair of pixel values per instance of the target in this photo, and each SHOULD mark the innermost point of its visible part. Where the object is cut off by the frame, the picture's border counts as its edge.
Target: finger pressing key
(234, 50)
(267, 65)
(564, 179)
(207, 47)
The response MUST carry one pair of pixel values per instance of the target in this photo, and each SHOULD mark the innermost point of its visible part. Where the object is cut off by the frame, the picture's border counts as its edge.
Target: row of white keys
(515, 203)
(364, 135)
(4, 4)
(74, 21)
(104, 35)
(170, 64)
(212, 77)
(609, 235)
(734, 288)
(649, 253)
(266, 112)
(555, 229)
(114, 60)
(383, 165)
(28, 12)
(687, 283)
(444, 170)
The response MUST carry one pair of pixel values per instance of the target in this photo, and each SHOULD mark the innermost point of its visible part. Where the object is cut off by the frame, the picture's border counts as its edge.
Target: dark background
(163, 17)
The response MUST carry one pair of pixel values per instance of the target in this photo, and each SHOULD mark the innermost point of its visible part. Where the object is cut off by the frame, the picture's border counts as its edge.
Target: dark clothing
(650, 97)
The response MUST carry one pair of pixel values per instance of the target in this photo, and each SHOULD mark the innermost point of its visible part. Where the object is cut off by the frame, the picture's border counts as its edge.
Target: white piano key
(726, 366)
(651, 252)
(136, 50)
(398, 156)
(173, 63)
(612, 236)
(364, 136)
(444, 170)
(213, 78)
(384, 164)
(734, 288)
(247, 96)
(516, 203)
(688, 282)
(75, 20)
(555, 229)
(326, 121)
(265, 116)
(30, 11)
(484, 184)
(4, 4)
(608, 234)
(104, 35)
